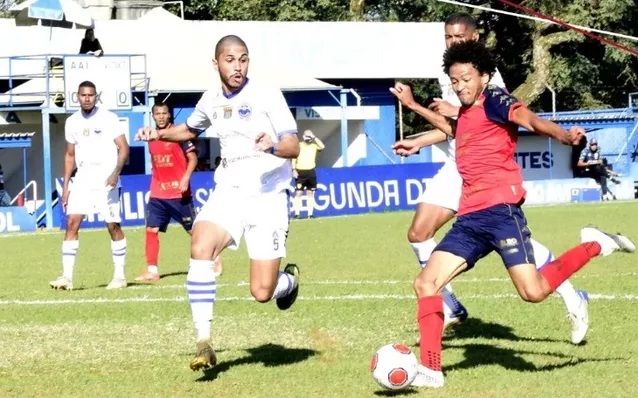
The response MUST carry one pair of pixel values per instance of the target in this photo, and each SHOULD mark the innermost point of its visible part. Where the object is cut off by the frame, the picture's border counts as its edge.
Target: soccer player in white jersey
(97, 146)
(258, 137)
(439, 203)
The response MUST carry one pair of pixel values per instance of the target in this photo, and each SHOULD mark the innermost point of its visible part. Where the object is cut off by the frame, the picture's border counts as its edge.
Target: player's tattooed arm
(123, 151)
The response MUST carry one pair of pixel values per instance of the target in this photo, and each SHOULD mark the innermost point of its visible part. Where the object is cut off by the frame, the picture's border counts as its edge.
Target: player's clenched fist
(146, 134)
(403, 92)
(573, 136)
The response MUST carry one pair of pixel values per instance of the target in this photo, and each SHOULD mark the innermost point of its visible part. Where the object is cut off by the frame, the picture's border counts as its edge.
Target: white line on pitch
(373, 282)
(345, 297)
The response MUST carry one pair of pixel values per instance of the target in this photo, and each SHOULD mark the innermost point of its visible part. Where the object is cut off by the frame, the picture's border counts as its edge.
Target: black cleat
(283, 303)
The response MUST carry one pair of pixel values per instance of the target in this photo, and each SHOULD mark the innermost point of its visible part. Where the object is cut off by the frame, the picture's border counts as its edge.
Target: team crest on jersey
(86, 132)
(228, 112)
(245, 111)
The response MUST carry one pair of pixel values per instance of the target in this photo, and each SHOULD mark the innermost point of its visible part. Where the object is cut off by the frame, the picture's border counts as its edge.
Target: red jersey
(169, 166)
(485, 145)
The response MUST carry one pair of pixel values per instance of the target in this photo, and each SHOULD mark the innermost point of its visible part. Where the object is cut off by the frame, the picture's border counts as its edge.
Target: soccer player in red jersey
(171, 198)
(490, 217)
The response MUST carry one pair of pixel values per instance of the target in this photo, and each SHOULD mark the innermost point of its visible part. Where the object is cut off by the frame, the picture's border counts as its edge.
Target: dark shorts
(501, 228)
(159, 213)
(307, 179)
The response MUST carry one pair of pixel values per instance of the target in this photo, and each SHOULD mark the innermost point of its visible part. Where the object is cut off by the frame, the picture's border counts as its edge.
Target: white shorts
(262, 219)
(444, 189)
(105, 202)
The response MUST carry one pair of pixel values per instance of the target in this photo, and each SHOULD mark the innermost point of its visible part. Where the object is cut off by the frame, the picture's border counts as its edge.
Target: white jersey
(95, 150)
(450, 96)
(236, 120)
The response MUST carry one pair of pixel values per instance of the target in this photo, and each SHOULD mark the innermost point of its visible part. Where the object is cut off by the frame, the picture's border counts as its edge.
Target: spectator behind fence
(90, 44)
(5, 199)
(593, 165)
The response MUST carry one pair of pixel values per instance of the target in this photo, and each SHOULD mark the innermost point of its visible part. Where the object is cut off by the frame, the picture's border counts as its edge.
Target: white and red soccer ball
(394, 366)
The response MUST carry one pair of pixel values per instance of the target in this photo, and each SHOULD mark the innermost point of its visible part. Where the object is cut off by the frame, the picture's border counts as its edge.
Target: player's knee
(261, 294)
(420, 234)
(424, 287)
(533, 294)
(201, 251)
(152, 230)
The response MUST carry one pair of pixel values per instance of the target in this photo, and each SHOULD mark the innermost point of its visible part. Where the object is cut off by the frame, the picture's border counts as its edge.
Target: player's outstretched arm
(410, 146)
(178, 133)
(403, 93)
(527, 119)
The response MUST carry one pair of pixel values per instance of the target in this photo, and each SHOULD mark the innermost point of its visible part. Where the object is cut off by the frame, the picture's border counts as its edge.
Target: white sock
(202, 289)
(285, 285)
(69, 251)
(152, 269)
(566, 290)
(310, 204)
(423, 251)
(118, 249)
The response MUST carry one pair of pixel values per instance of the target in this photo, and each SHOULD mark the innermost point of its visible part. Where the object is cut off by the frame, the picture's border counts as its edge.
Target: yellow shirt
(307, 159)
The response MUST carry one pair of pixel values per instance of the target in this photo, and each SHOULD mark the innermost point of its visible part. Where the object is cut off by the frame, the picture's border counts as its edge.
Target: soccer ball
(394, 366)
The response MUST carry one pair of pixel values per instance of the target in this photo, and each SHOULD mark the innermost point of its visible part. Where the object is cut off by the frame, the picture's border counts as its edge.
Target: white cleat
(580, 319)
(609, 243)
(429, 378)
(117, 283)
(62, 283)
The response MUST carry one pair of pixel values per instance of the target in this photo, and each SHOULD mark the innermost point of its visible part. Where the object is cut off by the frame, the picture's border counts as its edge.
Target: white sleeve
(198, 121)
(279, 114)
(116, 127)
(497, 80)
(68, 131)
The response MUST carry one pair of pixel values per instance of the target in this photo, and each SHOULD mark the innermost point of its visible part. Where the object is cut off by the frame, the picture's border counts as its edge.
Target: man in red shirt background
(490, 217)
(171, 198)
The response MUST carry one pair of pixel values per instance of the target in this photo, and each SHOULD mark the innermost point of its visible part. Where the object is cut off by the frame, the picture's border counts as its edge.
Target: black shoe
(283, 303)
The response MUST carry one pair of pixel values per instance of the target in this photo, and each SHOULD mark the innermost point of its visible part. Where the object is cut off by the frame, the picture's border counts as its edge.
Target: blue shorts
(501, 228)
(159, 213)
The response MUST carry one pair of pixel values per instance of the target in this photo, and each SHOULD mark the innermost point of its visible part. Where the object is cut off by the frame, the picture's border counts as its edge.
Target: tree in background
(531, 55)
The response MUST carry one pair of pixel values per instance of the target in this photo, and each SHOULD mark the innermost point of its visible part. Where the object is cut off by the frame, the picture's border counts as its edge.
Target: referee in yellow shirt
(304, 171)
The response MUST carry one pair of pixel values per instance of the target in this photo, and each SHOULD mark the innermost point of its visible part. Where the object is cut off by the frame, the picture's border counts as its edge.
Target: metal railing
(37, 81)
(22, 194)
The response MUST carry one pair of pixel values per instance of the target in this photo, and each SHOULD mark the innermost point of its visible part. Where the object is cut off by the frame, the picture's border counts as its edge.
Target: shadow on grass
(177, 273)
(475, 328)
(396, 393)
(511, 359)
(268, 354)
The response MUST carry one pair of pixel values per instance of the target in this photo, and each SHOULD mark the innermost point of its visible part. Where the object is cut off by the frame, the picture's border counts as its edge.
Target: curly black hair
(469, 52)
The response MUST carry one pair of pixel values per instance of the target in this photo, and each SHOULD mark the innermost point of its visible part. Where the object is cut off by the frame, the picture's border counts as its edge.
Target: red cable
(568, 26)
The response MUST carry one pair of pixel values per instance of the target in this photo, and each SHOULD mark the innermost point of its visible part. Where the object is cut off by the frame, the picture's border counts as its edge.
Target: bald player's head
(228, 41)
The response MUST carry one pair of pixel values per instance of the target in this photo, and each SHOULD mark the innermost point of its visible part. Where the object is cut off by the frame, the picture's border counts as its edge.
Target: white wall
(329, 131)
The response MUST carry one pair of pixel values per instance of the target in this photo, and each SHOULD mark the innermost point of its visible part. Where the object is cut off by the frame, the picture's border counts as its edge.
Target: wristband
(273, 149)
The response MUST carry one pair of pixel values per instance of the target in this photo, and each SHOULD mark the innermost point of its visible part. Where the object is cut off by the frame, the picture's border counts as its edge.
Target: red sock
(557, 272)
(152, 247)
(430, 318)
